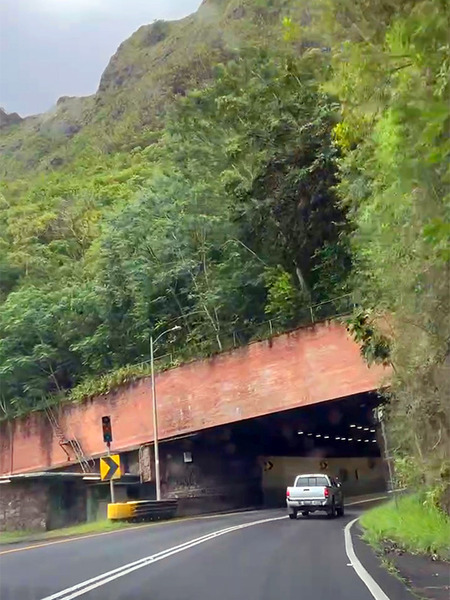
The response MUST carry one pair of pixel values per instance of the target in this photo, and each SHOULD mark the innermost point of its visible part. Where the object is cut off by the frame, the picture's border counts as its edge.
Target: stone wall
(42, 504)
(219, 475)
(307, 366)
(24, 505)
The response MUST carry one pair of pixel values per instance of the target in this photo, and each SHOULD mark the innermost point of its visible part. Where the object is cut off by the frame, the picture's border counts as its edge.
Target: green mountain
(157, 64)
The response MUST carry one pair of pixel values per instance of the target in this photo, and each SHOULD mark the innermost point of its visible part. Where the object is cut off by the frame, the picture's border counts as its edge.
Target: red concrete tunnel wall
(307, 366)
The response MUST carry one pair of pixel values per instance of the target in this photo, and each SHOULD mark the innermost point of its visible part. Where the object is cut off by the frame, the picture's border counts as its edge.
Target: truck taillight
(326, 492)
(288, 493)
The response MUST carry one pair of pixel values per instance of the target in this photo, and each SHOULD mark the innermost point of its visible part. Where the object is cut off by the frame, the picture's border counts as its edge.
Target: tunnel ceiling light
(318, 435)
(352, 425)
(91, 478)
(359, 427)
(326, 437)
(359, 440)
(374, 441)
(310, 434)
(366, 440)
(372, 431)
(344, 439)
(337, 438)
(366, 429)
(350, 439)
(300, 432)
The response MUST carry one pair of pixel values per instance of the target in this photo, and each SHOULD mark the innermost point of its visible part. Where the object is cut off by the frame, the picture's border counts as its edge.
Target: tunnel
(249, 463)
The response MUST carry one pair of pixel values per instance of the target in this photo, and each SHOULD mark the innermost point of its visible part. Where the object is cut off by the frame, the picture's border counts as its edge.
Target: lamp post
(155, 410)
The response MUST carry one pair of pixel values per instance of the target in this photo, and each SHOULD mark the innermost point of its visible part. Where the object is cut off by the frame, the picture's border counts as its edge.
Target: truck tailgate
(307, 493)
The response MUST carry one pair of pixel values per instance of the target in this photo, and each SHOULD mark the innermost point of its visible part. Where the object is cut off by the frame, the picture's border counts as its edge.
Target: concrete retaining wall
(24, 506)
(41, 505)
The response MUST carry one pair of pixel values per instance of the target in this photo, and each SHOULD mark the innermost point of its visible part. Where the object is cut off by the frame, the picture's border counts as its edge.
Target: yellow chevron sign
(110, 467)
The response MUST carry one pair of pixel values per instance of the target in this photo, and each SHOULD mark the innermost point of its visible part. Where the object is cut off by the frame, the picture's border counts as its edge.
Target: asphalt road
(192, 560)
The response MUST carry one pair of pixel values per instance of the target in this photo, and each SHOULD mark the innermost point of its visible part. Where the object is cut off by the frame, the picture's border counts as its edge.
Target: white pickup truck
(311, 493)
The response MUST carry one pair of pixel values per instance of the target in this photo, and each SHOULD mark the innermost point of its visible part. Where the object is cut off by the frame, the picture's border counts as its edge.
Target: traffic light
(107, 431)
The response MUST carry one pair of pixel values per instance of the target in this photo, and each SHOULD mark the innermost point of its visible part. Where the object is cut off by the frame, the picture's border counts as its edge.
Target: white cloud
(71, 11)
(70, 6)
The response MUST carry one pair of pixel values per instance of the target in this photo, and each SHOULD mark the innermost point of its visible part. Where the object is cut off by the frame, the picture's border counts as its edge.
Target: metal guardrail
(315, 313)
(143, 510)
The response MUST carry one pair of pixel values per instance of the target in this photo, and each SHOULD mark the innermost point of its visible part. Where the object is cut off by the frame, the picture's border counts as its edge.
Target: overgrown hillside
(237, 166)
(130, 210)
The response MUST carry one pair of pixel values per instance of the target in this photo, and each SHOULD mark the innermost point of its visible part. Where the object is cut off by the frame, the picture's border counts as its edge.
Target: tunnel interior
(344, 427)
(250, 462)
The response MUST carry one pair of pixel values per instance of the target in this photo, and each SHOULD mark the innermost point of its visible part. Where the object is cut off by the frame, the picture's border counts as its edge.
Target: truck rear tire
(293, 514)
(305, 513)
(332, 511)
(340, 511)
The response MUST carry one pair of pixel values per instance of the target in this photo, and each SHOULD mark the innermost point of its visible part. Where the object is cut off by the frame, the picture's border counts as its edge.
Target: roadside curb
(368, 566)
(366, 500)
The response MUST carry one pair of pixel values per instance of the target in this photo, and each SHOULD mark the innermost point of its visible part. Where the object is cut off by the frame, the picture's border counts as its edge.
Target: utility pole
(155, 411)
(107, 438)
(111, 481)
(155, 424)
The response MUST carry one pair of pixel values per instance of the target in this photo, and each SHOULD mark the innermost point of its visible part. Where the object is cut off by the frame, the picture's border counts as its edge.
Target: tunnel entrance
(251, 462)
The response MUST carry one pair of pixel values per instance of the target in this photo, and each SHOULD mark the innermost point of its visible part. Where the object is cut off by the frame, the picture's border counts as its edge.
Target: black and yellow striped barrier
(142, 510)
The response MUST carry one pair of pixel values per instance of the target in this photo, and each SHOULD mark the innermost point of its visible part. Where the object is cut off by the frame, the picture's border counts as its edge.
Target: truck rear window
(311, 481)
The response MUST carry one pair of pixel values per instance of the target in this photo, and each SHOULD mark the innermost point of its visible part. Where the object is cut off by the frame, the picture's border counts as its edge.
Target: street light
(155, 410)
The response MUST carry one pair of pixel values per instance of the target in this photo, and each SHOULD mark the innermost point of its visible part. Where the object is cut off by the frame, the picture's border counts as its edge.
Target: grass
(10, 537)
(413, 524)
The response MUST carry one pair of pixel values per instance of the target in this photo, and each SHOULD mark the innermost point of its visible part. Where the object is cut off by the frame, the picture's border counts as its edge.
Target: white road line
(91, 584)
(123, 567)
(372, 585)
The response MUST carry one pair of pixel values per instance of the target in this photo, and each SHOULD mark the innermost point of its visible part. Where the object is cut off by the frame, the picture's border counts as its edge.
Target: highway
(258, 555)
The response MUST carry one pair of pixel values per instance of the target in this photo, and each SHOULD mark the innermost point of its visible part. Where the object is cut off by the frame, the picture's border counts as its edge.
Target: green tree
(392, 81)
(226, 219)
(265, 128)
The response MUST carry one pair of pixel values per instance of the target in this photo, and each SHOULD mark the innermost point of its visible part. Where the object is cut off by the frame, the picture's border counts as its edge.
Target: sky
(54, 48)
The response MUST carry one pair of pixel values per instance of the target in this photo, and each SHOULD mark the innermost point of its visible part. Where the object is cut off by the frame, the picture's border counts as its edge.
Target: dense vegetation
(413, 523)
(218, 221)
(394, 179)
(278, 157)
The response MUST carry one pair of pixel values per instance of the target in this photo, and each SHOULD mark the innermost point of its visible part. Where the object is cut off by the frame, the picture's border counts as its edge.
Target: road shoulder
(392, 585)
(426, 577)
